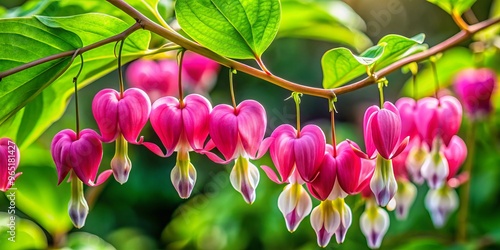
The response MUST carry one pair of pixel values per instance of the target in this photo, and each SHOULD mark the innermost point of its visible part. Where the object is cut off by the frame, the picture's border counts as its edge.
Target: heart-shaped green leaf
(340, 65)
(241, 29)
(450, 6)
(27, 234)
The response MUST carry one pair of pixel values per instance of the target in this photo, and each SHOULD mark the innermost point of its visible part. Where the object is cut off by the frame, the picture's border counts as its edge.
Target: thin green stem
(334, 142)
(120, 73)
(77, 112)
(381, 94)
(296, 98)
(465, 190)
(180, 57)
(231, 88)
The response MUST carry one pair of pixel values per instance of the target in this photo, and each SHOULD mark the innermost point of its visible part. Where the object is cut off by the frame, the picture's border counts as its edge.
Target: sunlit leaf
(396, 47)
(340, 65)
(241, 29)
(26, 234)
(450, 6)
(24, 40)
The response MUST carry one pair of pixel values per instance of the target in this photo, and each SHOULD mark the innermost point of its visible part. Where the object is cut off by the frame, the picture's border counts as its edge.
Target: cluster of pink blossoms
(409, 141)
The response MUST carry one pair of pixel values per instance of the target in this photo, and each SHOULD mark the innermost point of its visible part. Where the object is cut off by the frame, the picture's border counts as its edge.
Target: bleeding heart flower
(83, 154)
(117, 114)
(404, 198)
(157, 79)
(475, 87)
(325, 220)
(435, 169)
(199, 72)
(438, 119)
(182, 126)
(407, 107)
(455, 154)
(289, 149)
(294, 203)
(9, 161)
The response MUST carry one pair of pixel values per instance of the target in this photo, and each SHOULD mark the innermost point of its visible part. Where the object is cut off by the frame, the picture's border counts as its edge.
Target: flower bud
(374, 223)
(383, 183)
(295, 204)
(404, 198)
(245, 178)
(121, 164)
(440, 203)
(325, 220)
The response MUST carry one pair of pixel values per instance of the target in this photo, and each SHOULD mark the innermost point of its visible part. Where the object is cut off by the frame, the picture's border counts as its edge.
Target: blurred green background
(146, 212)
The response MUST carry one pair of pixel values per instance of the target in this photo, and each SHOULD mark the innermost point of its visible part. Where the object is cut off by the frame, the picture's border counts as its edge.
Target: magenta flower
(474, 88)
(289, 149)
(439, 119)
(455, 154)
(407, 107)
(81, 154)
(157, 79)
(238, 133)
(199, 72)
(117, 114)
(9, 161)
(182, 127)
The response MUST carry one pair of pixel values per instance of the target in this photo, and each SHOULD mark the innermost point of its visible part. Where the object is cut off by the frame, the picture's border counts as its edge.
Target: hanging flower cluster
(406, 143)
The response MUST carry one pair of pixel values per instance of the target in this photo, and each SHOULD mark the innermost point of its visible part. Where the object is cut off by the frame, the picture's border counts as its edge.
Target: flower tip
(78, 211)
(183, 178)
(121, 166)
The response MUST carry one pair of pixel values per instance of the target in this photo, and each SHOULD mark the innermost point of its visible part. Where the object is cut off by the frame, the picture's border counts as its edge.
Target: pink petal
(133, 109)
(85, 155)
(60, 148)
(309, 149)
(450, 117)
(367, 169)
(367, 130)
(322, 185)
(406, 107)
(348, 168)
(427, 119)
(282, 150)
(166, 120)
(105, 111)
(195, 118)
(224, 130)
(252, 123)
(199, 71)
(455, 154)
(386, 130)
(271, 174)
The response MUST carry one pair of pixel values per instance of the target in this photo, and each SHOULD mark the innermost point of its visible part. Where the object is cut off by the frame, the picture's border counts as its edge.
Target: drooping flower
(182, 126)
(455, 154)
(325, 220)
(438, 119)
(435, 168)
(82, 154)
(374, 223)
(407, 107)
(289, 149)
(405, 196)
(9, 161)
(156, 78)
(121, 118)
(474, 88)
(238, 133)
(199, 72)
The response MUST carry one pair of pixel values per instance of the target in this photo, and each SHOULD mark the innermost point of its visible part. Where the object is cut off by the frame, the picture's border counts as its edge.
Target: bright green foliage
(83, 240)
(28, 234)
(397, 47)
(24, 40)
(450, 6)
(28, 124)
(241, 29)
(317, 23)
(340, 65)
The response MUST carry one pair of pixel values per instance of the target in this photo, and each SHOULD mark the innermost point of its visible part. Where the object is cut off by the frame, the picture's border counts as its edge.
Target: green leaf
(396, 48)
(448, 65)
(27, 234)
(28, 124)
(317, 23)
(340, 65)
(24, 40)
(450, 6)
(83, 240)
(241, 29)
